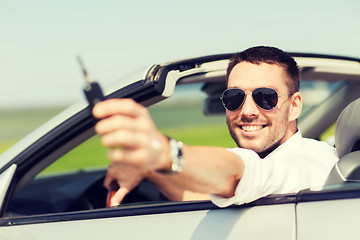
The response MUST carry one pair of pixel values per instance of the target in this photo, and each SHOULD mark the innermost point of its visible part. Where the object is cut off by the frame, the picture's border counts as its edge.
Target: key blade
(83, 69)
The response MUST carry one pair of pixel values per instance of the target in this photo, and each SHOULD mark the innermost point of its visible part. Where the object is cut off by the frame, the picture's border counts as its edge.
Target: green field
(17, 123)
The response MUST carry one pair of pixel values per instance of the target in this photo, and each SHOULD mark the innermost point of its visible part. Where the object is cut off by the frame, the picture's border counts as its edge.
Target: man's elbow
(228, 189)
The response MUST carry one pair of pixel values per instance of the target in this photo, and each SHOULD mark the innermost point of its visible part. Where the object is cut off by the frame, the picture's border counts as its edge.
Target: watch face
(176, 156)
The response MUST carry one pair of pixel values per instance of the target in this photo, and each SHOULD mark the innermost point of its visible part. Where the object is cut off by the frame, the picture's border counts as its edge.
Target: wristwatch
(177, 159)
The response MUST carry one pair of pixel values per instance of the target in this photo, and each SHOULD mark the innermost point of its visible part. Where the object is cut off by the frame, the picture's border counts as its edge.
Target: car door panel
(328, 219)
(259, 222)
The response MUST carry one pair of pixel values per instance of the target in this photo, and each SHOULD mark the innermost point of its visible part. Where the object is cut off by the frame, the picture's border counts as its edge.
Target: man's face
(250, 126)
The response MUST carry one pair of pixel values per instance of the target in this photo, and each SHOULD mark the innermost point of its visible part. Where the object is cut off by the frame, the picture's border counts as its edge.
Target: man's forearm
(208, 170)
(173, 191)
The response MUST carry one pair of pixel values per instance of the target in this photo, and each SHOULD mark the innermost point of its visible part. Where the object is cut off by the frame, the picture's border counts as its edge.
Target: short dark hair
(269, 55)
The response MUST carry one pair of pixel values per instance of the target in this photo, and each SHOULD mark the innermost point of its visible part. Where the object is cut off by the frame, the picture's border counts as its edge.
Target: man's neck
(291, 132)
(269, 150)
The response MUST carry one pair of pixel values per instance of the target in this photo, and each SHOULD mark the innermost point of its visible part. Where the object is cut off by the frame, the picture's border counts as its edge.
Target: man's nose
(249, 107)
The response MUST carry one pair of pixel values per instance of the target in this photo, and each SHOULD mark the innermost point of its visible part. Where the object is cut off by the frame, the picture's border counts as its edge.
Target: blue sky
(40, 39)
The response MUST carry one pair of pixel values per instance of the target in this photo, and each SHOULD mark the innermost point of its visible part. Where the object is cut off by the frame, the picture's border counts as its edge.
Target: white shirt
(297, 164)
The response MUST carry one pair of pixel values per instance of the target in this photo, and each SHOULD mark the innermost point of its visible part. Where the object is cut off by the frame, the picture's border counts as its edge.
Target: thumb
(118, 196)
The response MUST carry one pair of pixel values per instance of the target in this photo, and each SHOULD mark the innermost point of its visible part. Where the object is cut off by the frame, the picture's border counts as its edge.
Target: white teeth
(251, 128)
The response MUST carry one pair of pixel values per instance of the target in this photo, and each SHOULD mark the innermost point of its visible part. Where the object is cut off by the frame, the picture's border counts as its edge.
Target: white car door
(274, 221)
(330, 214)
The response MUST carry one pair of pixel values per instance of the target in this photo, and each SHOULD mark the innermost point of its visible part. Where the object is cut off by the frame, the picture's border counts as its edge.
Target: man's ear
(296, 106)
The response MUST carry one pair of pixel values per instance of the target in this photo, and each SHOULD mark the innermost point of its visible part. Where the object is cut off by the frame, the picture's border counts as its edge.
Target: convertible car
(51, 182)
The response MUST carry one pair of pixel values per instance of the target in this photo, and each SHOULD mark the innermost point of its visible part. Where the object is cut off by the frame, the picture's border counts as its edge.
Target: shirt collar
(294, 140)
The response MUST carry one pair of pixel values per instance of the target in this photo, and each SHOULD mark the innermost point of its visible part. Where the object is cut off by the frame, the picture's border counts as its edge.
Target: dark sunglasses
(265, 98)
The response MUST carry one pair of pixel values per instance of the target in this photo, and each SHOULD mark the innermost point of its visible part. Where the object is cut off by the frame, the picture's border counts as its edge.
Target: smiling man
(263, 103)
(269, 75)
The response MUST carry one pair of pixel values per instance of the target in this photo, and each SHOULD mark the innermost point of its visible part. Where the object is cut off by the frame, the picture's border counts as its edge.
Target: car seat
(347, 143)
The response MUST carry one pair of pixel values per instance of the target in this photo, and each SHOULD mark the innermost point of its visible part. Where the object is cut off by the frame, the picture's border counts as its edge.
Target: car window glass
(90, 154)
(315, 92)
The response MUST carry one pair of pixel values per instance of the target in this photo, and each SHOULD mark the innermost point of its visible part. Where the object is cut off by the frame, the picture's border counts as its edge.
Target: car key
(92, 90)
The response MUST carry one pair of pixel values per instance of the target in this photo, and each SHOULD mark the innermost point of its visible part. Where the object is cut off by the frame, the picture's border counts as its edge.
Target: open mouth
(252, 128)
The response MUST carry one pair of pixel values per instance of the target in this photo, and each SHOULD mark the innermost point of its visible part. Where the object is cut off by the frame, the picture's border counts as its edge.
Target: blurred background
(39, 41)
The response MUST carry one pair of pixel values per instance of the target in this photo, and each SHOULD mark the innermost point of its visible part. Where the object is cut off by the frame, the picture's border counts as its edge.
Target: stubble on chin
(261, 146)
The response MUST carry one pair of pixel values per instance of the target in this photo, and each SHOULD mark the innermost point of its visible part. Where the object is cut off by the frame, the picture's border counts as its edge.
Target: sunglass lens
(266, 98)
(233, 98)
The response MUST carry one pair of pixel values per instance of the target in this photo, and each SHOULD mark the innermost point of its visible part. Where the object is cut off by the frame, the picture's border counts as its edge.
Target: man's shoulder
(309, 142)
(298, 140)
(319, 151)
(299, 147)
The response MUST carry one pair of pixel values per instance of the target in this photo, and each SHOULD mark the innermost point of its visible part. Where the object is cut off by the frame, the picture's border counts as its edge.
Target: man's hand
(128, 130)
(126, 176)
(135, 144)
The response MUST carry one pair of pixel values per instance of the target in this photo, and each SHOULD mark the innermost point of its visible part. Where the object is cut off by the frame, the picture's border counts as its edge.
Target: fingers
(117, 106)
(124, 138)
(114, 122)
(117, 114)
(136, 158)
(126, 124)
(108, 180)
